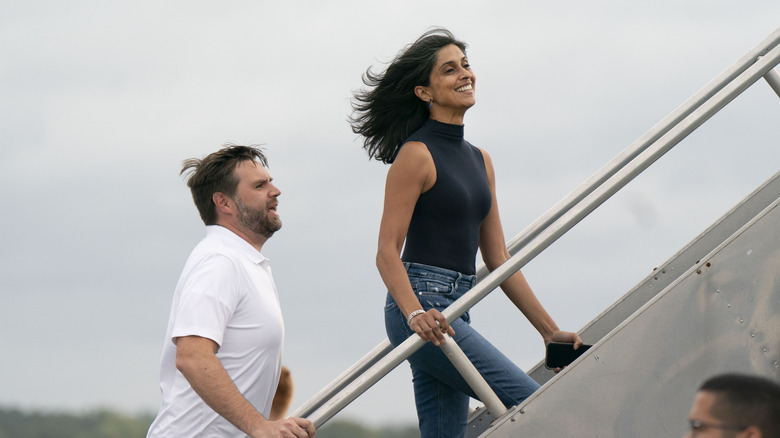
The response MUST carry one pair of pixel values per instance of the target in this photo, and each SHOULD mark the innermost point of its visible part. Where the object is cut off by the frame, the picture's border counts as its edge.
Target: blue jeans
(441, 394)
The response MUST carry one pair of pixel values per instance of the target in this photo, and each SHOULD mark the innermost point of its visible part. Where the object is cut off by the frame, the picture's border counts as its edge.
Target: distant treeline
(15, 423)
(99, 424)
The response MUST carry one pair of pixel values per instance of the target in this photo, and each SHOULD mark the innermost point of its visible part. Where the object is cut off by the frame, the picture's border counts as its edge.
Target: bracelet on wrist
(412, 315)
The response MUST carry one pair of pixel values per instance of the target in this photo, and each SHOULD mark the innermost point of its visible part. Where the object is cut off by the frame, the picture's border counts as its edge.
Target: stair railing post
(472, 377)
(773, 79)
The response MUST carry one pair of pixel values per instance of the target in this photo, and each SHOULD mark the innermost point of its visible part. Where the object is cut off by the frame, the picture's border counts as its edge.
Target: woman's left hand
(566, 337)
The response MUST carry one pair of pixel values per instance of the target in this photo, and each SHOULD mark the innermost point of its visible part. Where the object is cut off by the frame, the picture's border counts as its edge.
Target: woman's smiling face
(451, 83)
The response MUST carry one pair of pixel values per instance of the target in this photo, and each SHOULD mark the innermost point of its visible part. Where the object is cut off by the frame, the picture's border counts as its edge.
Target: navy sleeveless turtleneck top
(444, 229)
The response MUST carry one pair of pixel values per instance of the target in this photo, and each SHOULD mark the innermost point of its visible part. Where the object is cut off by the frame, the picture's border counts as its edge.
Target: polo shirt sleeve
(208, 299)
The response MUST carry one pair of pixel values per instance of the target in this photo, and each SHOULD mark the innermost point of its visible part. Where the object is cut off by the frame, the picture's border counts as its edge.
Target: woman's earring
(431, 104)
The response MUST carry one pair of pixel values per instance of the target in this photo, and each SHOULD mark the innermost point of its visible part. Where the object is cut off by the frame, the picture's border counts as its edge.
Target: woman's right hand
(431, 327)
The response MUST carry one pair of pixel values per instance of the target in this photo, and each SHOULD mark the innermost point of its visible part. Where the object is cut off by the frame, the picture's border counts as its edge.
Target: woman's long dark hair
(388, 111)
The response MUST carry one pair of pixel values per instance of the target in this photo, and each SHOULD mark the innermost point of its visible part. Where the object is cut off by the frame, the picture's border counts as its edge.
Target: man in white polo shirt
(222, 354)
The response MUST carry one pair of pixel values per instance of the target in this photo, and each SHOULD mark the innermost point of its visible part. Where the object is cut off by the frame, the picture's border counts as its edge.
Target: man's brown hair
(214, 173)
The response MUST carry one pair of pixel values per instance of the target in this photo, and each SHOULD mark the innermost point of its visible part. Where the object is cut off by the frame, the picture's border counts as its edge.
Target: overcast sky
(101, 101)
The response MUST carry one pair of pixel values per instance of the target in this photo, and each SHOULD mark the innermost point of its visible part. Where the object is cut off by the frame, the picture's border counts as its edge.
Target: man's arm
(196, 359)
(283, 396)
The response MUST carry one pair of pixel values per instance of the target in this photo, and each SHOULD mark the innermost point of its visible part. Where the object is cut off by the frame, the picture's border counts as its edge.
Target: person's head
(232, 187)
(398, 101)
(736, 405)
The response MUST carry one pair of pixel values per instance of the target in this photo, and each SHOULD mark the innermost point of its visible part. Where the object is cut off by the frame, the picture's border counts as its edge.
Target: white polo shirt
(225, 293)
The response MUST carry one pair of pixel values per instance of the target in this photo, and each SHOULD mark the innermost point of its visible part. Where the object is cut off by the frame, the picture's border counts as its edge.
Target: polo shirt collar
(234, 241)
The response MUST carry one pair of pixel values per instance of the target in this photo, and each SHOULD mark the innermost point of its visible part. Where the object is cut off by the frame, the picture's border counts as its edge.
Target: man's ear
(222, 202)
(422, 93)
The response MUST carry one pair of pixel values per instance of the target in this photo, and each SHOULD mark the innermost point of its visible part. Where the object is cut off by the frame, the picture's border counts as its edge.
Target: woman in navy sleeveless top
(439, 208)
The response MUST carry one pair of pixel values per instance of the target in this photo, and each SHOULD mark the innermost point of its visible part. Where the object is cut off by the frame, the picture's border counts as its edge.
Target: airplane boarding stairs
(713, 307)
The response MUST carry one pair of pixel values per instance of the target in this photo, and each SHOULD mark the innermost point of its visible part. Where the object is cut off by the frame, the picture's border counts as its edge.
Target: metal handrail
(639, 145)
(564, 215)
(344, 379)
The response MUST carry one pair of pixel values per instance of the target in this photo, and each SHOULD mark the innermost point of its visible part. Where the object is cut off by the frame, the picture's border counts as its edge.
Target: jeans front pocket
(433, 293)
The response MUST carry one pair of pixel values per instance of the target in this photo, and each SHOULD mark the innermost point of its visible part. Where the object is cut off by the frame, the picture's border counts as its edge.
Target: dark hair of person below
(388, 111)
(746, 400)
(214, 173)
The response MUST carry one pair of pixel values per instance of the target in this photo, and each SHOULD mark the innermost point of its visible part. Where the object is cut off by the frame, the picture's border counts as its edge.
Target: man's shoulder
(221, 240)
(212, 250)
(218, 241)
(222, 254)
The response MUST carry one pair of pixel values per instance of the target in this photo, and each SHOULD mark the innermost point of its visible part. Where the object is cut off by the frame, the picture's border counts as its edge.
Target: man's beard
(257, 220)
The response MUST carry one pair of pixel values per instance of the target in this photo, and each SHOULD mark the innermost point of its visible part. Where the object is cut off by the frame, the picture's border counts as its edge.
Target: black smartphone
(561, 354)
